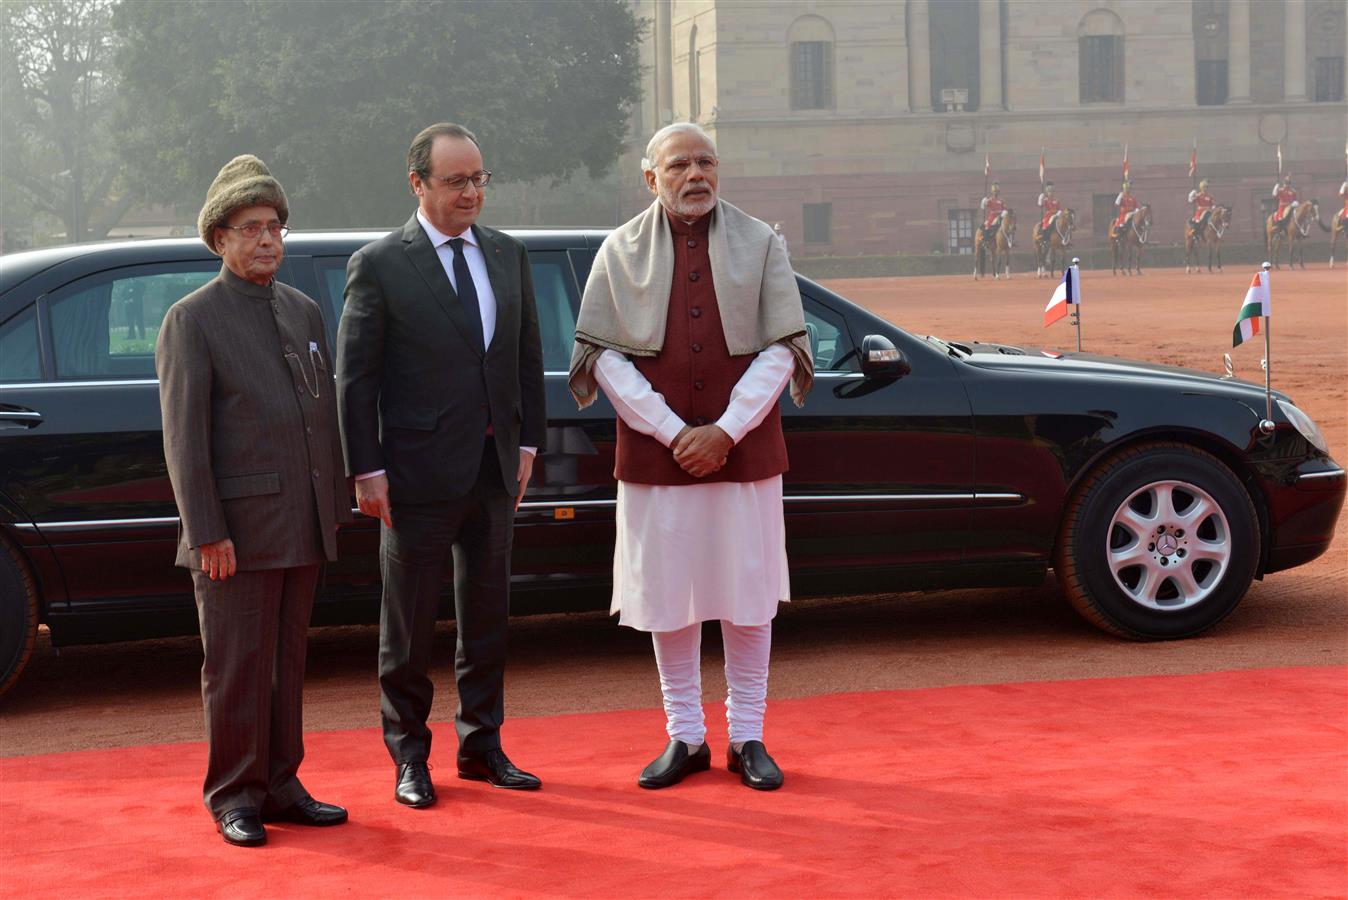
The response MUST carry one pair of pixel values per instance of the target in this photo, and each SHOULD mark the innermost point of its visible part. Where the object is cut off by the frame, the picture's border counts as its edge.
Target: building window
(1211, 82)
(961, 231)
(1211, 46)
(818, 223)
(1101, 64)
(1328, 79)
(812, 75)
(1102, 214)
(954, 55)
(694, 79)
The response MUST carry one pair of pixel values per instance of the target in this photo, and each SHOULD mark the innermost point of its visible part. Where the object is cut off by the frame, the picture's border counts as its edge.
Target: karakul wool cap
(244, 181)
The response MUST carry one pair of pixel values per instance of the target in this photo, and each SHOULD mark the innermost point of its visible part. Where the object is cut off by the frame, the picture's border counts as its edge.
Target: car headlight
(1304, 424)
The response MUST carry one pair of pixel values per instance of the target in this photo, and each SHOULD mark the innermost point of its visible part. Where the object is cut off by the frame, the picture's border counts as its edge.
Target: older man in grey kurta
(251, 442)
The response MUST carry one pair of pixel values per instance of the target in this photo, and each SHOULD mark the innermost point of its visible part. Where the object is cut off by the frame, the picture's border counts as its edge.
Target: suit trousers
(254, 631)
(477, 530)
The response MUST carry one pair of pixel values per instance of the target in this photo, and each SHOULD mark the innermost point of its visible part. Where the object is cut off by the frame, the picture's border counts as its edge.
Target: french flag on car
(1068, 293)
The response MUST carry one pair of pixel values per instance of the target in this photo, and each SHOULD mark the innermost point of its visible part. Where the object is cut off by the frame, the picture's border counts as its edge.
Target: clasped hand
(701, 450)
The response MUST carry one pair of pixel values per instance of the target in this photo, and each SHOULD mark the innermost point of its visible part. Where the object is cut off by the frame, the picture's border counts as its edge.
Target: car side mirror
(880, 358)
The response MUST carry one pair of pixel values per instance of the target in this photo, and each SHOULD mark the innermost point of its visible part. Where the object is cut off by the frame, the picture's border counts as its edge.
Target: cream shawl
(626, 302)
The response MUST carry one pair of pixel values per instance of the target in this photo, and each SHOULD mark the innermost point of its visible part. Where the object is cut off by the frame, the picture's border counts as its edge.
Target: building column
(989, 54)
(664, 66)
(919, 57)
(1294, 51)
(1238, 52)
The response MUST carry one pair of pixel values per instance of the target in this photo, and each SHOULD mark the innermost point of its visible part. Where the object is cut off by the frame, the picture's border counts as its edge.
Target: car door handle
(16, 417)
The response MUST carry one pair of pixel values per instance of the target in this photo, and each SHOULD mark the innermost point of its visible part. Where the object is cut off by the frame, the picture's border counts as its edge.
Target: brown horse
(1339, 235)
(1052, 243)
(1132, 237)
(1294, 229)
(1002, 240)
(1210, 235)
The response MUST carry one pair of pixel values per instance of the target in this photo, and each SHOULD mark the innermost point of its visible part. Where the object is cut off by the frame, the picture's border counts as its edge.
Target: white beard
(685, 208)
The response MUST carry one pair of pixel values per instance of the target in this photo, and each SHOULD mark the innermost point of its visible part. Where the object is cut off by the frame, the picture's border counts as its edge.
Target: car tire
(18, 616)
(1159, 542)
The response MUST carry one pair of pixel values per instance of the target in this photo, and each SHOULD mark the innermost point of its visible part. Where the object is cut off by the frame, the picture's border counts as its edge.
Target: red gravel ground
(148, 692)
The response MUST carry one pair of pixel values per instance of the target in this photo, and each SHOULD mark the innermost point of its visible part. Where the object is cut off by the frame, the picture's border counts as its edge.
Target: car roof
(16, 268)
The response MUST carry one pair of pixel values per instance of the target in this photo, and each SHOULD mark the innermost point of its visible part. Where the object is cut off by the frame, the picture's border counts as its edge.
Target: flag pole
(1267, 426)
(1076, 312)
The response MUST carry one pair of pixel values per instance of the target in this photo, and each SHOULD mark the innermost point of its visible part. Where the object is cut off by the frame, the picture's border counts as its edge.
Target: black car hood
(1091, 365)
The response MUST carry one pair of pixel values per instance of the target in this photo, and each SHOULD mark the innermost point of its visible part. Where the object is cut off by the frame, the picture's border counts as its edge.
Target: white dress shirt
(477, 267)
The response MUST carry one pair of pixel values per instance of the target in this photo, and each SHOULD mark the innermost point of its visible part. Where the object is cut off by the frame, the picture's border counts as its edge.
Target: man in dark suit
(440, 392)
(250, 437)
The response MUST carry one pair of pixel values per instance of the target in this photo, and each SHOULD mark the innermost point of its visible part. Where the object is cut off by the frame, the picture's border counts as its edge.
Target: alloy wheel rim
(1168, 546)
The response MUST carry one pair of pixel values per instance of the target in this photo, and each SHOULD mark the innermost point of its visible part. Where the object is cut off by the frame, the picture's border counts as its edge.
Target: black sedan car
(916, 462)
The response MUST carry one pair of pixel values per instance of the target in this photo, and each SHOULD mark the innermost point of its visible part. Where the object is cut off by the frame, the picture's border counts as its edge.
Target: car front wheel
(1159, 542)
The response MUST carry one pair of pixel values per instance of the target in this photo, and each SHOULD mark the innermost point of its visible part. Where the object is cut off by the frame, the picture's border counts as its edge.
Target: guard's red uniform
(992, 207)
(1050, 206)
(1126, 203)
(1343, 192)
(1286, 197)
(1202, 203)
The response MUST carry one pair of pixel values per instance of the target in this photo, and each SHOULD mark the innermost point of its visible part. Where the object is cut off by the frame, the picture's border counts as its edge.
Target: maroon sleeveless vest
(696, 374)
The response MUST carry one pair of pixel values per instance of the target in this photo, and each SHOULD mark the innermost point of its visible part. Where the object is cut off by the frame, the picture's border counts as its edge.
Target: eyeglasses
(253, 230)
(459, 182)
(681, 165)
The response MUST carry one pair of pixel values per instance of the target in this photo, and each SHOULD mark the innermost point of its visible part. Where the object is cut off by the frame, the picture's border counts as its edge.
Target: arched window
(810, 39)
(694, 78)
(1100, 57)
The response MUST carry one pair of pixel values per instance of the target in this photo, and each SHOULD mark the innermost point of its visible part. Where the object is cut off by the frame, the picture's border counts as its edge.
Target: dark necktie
(465, 288)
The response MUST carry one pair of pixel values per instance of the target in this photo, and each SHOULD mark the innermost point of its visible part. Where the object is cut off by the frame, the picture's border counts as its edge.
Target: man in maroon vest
(692, 324)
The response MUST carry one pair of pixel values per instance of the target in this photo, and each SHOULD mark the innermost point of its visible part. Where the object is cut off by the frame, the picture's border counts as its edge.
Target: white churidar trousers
(678, 656)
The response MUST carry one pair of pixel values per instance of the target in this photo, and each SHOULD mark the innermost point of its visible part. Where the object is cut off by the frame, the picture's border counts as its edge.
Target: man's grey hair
(652, 148)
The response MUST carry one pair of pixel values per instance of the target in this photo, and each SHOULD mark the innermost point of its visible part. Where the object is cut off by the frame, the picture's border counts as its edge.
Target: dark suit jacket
(416, 389)
(252, 454)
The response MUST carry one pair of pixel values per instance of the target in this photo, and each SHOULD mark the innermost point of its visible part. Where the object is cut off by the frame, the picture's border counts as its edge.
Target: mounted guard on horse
(1053, 233)
(1128, 233)
(1339, 232)
(1207, 226)
(996, 236)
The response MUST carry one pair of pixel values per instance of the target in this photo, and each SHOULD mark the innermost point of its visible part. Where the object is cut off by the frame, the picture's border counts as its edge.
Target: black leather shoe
(414, 786)
(308, 812)
(495, 768)
(757, 770)
(242, 827)
(674, 765)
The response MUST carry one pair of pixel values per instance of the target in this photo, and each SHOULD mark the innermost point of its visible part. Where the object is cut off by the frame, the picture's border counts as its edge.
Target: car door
(879, 495)
(563, 544)
(91, 474)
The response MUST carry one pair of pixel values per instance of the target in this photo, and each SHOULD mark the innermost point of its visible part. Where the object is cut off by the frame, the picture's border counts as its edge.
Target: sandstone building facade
(864, 127)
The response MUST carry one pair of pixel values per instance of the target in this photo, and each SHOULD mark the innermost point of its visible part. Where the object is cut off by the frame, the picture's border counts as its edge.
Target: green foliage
(329, 94)
(57, 84)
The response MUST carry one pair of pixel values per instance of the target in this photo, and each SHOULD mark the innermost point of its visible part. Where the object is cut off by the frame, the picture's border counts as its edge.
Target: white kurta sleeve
(756, 391)
(640, 406)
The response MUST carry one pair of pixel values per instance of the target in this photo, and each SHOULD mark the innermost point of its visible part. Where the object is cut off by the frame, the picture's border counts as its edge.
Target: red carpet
(1228, 784)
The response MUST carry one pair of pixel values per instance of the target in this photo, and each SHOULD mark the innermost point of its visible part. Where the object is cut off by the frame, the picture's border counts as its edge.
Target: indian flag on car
(1258, 302)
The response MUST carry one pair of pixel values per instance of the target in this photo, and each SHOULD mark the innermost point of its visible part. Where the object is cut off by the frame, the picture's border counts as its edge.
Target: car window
(829, 340)
(554, 294)
(18, 348)
(105, 325)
